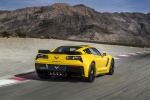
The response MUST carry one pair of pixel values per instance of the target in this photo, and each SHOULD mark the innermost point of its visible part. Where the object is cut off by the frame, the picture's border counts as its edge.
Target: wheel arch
(87, 68)
(112, 66)
(94, 66)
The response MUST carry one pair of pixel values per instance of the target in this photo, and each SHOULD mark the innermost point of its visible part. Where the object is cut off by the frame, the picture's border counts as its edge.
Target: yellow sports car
(79, 60)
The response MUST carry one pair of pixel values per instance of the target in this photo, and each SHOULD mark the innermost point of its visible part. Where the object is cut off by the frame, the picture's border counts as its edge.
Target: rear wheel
(112, 66)
(43, 76)
(91, 76)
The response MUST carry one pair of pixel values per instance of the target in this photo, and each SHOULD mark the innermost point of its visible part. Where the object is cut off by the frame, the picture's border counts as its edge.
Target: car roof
(81, 47)
(78, 45)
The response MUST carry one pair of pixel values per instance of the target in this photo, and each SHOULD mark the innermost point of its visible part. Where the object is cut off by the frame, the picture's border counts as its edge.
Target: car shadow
(34, 76)
(100, 75)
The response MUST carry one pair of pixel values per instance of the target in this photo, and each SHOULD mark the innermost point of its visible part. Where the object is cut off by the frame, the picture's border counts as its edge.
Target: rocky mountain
(77, 22)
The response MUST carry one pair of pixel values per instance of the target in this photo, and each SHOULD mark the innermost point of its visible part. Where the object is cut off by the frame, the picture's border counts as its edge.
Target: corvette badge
(56, 67)
(56, 57)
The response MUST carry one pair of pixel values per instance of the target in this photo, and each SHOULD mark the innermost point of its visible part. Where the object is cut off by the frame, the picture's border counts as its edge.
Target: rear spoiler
(68, 53)
(44, 51)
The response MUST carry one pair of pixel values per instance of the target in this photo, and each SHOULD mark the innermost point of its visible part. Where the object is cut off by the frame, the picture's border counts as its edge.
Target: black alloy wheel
(112, 67)
(91, 76)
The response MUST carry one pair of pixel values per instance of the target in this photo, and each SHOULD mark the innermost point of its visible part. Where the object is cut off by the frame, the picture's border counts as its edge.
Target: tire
(42, 76)
(112, 67)
(91, 76)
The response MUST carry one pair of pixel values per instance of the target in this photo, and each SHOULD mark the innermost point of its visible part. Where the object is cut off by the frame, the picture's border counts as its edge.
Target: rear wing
(44, 51)
(68, 53)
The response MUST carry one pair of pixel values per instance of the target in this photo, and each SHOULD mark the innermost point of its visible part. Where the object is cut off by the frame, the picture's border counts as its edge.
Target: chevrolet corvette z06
(79, 60)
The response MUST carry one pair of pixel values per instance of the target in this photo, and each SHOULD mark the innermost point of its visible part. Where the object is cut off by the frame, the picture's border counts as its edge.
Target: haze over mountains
(76, 22)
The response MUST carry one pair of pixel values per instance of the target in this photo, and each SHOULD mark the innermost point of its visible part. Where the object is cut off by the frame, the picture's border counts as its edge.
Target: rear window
(65, 49)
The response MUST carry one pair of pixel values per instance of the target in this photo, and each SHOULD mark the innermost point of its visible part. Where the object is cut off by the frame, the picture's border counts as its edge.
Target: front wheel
(91, 76)
(112, 67)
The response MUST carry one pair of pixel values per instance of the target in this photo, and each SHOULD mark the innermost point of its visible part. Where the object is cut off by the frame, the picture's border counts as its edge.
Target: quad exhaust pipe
(57, 73)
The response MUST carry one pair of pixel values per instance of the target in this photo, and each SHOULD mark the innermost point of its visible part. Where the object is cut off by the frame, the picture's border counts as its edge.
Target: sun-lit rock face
(76, 22)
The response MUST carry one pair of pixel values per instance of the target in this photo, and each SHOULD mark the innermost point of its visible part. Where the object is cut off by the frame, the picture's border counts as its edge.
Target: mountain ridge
(77, 22)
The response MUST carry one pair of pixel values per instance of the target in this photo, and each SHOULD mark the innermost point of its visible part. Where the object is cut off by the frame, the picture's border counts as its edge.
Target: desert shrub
(5, 34)
(21, 33)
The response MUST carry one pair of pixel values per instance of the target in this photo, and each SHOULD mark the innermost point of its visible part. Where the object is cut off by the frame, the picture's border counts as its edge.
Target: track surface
(131, 81)
(17, 54)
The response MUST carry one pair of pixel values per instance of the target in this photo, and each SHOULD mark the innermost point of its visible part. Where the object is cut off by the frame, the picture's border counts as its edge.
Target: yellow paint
(100, 61)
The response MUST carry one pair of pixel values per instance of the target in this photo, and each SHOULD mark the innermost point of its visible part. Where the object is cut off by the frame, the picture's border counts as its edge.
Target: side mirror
(104, 54)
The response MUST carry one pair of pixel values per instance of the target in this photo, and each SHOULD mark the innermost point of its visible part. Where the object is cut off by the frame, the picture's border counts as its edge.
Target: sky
(99, 5)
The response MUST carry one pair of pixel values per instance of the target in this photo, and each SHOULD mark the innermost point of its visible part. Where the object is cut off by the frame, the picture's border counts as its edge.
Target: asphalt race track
(131, 81)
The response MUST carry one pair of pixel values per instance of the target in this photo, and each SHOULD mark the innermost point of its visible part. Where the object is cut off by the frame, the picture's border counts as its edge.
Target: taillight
(74, 58)
(42, 56)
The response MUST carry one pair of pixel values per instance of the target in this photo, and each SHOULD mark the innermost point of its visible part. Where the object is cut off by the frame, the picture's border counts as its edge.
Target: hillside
(76, 22)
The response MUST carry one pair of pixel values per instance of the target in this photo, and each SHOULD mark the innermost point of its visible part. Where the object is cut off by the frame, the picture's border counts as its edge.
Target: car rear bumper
(59, 70)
